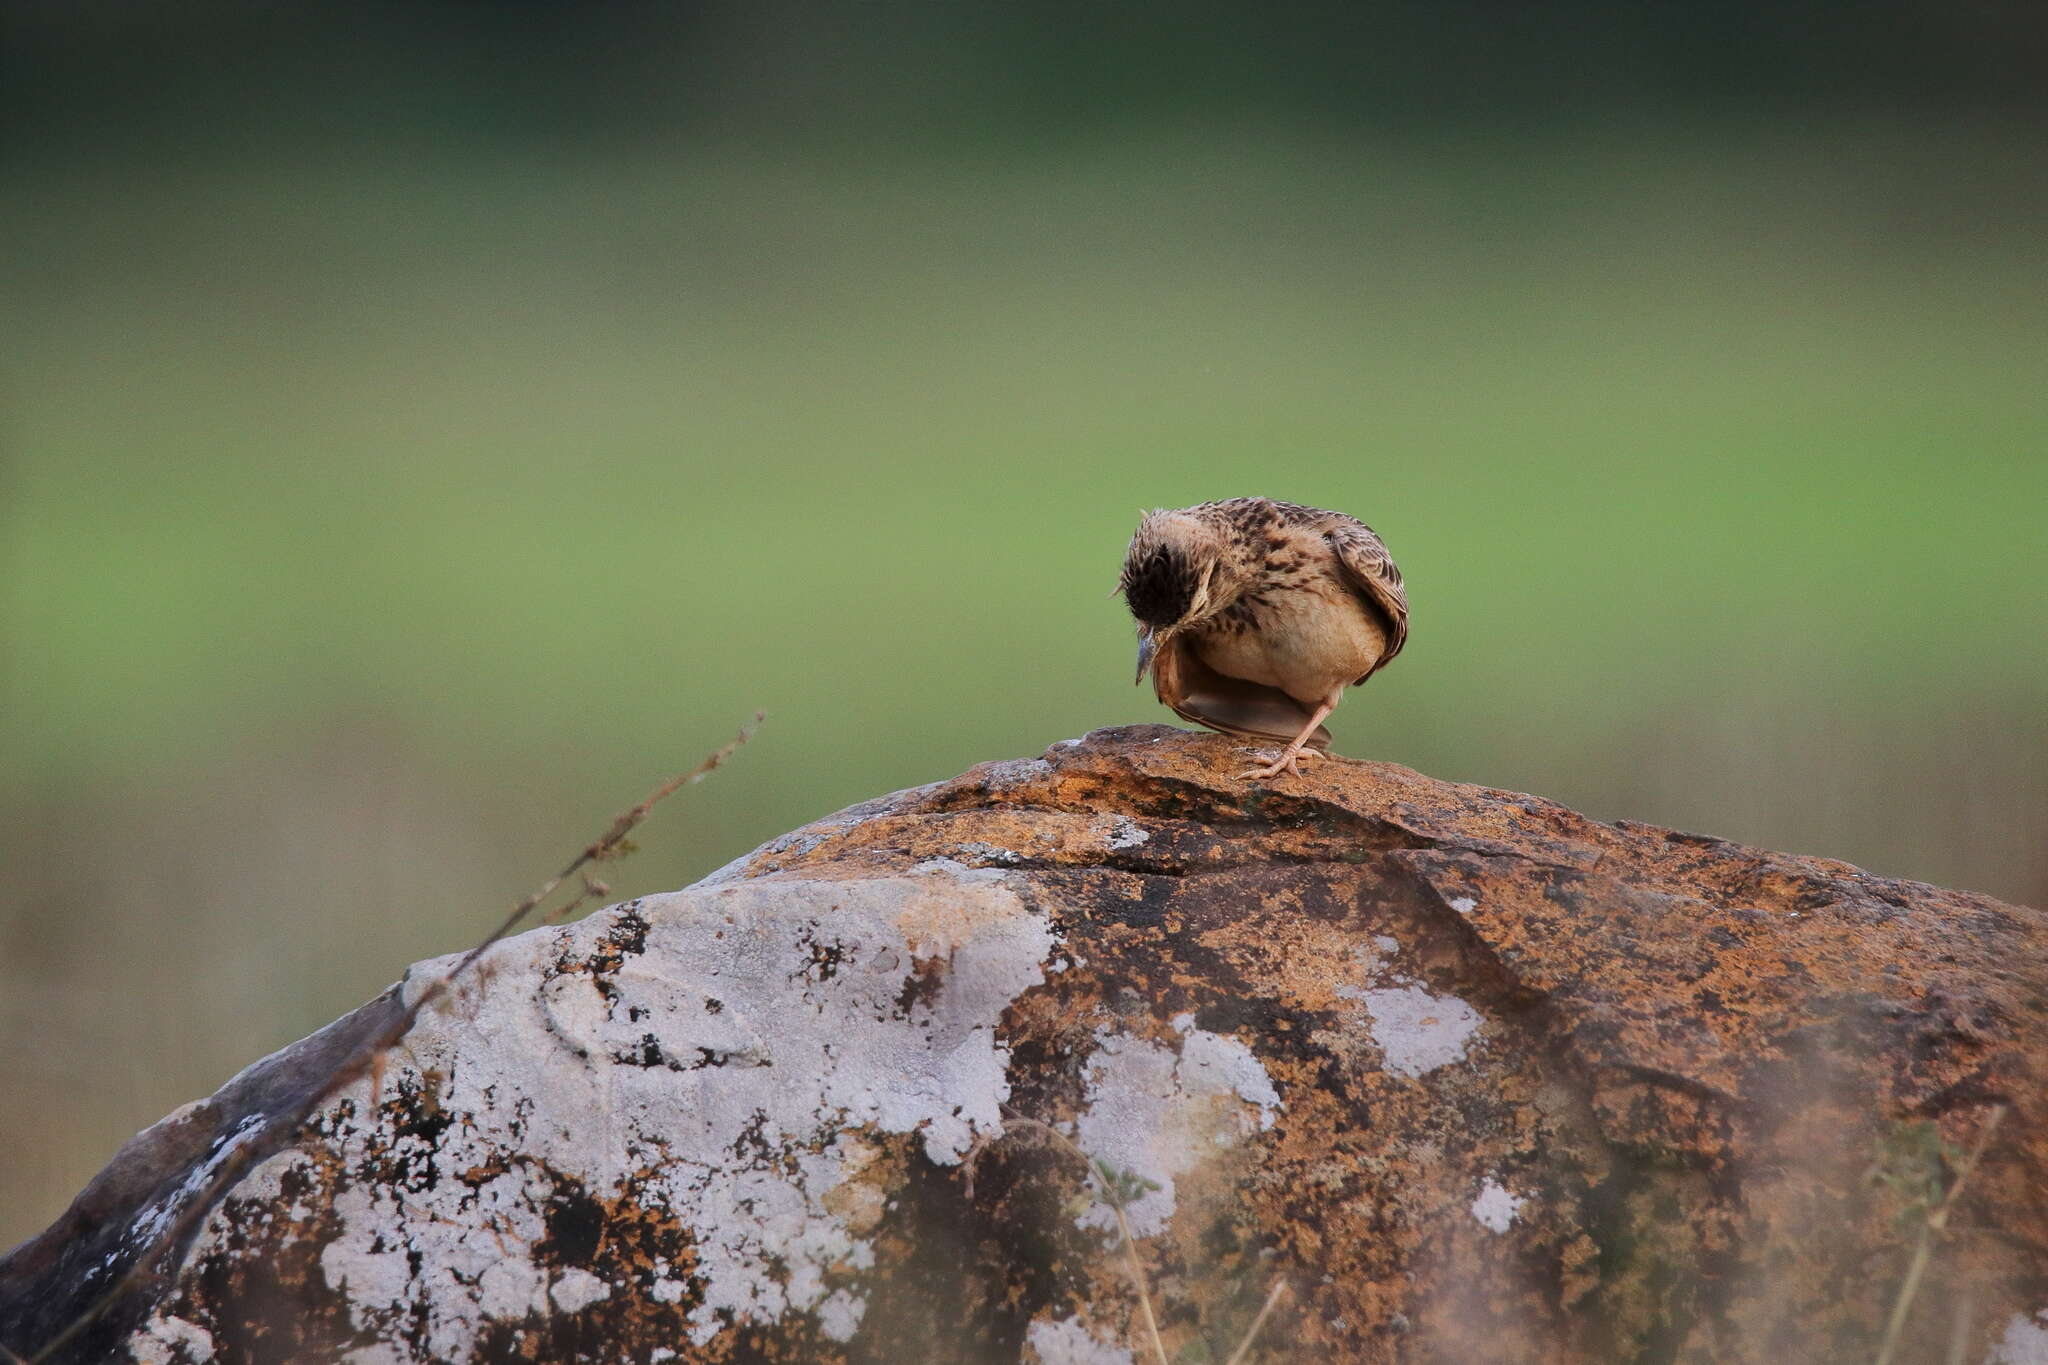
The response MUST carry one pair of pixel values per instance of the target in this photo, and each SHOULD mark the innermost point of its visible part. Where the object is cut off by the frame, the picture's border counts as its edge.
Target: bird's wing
(1371, 573)
(1199, 693)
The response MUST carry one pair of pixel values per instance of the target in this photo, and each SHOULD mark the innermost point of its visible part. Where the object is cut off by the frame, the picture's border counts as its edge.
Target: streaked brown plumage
(1254, 616)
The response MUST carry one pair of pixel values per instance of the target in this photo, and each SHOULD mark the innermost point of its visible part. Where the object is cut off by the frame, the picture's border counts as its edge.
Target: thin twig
(606, 846)
(369, 1055)
(1931, 1227)
(1244, 1348)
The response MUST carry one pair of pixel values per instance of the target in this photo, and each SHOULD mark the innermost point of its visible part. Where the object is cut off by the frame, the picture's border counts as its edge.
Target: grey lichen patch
(711, 1061)
(979, 854)
(168, 1339)
(2024, 1341)
(1015, 772)
(1496, 1207)
(1158, 1111)
(1067, 1341)
(1125, 833)
(1419, 1031)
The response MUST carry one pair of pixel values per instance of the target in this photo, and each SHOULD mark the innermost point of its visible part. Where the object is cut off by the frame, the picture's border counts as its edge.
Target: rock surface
(1479, 1078)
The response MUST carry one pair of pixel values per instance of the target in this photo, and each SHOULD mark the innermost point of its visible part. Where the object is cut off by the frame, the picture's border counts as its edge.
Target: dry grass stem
(1138, 1279)
(1959, 1327)
(1244, 1348)
(1932, 1227)
(369, 1057)
(1123, 1227)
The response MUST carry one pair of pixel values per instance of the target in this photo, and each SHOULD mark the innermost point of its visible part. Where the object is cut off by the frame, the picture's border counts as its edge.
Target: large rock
(1479, 1078)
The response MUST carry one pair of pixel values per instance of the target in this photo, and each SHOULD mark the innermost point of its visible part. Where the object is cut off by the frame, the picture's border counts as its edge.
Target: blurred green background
(426, 427)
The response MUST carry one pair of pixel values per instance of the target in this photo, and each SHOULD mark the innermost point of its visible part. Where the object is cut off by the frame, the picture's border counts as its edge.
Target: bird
(1254, 616)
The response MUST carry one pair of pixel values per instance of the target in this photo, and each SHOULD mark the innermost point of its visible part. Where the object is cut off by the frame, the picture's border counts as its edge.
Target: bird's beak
(1147, 646)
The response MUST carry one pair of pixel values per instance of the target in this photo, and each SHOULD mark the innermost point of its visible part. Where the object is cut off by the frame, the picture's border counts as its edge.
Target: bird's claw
(1289, 763)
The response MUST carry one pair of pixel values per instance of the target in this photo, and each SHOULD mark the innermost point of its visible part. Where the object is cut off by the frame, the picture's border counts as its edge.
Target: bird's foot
(1289, 762)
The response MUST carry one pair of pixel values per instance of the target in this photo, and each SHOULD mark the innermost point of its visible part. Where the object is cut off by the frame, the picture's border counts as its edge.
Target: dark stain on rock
(575, 1224)
(922, 986)
(625, 936)
(825, 957)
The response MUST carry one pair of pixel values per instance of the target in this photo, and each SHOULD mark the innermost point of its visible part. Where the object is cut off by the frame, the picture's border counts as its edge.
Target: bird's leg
(1290, 757)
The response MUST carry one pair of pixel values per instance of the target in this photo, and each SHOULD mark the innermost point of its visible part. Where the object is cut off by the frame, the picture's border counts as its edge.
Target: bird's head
(1172, 577)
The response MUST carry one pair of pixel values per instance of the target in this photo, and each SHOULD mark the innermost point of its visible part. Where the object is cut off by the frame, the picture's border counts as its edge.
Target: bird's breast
(1309, 641)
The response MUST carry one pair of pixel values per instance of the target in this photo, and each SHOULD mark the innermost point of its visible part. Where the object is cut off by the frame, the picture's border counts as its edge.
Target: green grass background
(380, 518)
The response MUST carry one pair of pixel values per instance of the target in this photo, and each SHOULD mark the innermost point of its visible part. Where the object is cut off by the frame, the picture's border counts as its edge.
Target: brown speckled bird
(1255, 615)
